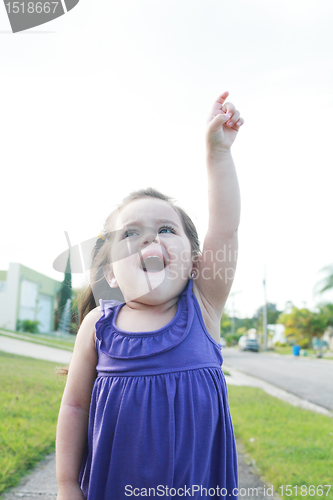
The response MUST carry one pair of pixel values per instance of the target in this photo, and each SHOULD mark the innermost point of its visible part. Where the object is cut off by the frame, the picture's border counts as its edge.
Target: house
(278, 334)
(27, 294)
(328, 337)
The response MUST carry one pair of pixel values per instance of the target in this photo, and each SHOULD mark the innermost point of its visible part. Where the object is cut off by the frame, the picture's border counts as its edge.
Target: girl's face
(151, 254)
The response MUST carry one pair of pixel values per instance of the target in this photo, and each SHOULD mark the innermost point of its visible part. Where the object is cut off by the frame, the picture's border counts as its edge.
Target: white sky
(114, 97)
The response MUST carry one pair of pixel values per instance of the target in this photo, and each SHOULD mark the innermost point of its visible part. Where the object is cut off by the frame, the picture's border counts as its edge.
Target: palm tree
(327, 282)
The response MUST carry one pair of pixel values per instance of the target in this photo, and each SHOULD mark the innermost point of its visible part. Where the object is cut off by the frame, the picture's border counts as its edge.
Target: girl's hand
(223, 124)
(70, 492)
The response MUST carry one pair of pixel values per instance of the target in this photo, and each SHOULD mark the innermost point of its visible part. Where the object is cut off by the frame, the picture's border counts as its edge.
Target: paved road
(311, 379)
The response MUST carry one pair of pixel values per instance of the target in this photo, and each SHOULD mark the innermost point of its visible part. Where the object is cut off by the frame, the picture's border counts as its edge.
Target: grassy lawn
(283, 349)
(29, 403)
(290, 446)
(38, 338)
(288, 350)
(310, 352)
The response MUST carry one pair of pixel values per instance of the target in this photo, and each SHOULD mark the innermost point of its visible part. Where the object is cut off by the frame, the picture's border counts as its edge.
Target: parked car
(246, 344)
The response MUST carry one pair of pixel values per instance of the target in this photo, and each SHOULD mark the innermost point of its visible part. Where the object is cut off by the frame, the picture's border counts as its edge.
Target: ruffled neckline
(121, 344)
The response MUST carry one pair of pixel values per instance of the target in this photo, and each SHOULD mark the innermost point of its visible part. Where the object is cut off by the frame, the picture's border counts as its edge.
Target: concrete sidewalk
(32, 350)
(41, 483)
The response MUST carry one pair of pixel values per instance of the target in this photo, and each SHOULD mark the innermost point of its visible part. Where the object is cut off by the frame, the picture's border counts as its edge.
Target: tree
(246, 323)
(272, 316)
(74, 313)
(326, 310)
(225, 324)
(241, 326)
(326, 283)
(301, 325)
(65, 291)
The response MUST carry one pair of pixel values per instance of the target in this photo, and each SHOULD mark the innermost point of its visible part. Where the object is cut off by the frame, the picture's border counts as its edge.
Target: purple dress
(159, 423)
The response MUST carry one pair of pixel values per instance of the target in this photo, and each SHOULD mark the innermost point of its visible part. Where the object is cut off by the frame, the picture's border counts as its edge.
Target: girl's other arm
(74, 410)
(217, 264)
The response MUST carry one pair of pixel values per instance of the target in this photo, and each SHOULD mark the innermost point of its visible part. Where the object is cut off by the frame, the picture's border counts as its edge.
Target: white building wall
(8, 298)
(278, 333)
(28, 300)
(44, 311)
(3, 287)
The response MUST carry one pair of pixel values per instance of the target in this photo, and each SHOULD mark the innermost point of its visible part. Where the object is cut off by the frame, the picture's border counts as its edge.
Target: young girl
(145, 409)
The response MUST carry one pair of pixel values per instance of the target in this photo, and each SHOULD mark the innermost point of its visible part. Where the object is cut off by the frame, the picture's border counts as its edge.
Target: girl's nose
(149, 237)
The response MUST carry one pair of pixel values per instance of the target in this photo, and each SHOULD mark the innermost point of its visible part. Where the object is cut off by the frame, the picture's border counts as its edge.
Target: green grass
(282, 349)
(30, 398)
(291, 446)
(38, 338)
(310, 351)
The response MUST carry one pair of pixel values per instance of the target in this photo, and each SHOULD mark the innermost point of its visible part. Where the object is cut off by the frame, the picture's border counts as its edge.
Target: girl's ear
(195, 268)
(194, 272)
(109, 276)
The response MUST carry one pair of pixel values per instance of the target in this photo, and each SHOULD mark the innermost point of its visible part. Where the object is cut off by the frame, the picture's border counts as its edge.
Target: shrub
(27, 325)
(232, 339)
(304, 343)
(280, 344)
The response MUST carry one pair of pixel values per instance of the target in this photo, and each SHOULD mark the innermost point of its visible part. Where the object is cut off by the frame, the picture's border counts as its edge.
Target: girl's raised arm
(74, 410)
(217, 265)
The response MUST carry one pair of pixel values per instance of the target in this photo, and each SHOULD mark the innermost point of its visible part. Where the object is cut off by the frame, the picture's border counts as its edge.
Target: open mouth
(152, 264)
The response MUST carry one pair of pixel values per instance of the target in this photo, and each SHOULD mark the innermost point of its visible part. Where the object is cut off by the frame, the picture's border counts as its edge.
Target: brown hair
(98, 287)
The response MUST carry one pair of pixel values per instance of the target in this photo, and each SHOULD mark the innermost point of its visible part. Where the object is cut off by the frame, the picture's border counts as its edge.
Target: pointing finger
(222, 97)
(217, 106)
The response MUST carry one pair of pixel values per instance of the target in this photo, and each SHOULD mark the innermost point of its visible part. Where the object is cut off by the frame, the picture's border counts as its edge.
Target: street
(311, 379)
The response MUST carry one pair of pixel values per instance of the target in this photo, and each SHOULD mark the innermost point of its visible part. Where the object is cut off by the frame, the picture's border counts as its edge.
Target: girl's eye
(134, 232)
(169, 229)
(130, 232)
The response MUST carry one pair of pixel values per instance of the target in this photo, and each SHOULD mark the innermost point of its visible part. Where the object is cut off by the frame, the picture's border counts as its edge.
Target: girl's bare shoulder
(82, 368)
(87, 328)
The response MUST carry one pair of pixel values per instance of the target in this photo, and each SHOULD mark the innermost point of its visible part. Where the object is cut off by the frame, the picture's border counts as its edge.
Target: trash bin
(296, 350)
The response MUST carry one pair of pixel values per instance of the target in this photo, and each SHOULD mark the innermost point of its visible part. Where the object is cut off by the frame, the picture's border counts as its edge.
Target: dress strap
(108, 304)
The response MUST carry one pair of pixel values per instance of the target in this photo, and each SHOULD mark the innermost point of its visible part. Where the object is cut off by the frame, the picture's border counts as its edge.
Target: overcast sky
(114, 96)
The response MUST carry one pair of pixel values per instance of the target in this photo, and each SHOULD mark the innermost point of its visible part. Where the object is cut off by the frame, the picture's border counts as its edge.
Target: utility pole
(233, 311)
(233, 317)
(265, 312)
